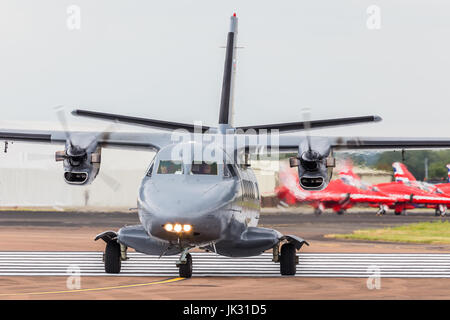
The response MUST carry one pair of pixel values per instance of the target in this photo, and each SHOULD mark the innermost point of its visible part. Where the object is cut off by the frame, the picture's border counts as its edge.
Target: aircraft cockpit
(166, 164)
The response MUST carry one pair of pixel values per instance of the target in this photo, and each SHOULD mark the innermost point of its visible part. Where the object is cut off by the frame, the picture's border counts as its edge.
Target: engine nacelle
(315, 167)
(81, 165)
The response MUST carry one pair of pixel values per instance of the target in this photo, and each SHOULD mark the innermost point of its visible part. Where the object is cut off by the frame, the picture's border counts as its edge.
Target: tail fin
(226, 101)
(347, 171)
(401, 172)
(347, 175)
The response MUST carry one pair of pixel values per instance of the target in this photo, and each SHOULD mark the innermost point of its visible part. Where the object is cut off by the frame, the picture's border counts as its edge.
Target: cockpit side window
(204, 168)
(170, 167)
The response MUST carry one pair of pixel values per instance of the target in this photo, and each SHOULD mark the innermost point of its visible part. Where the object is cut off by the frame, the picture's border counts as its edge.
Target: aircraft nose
(200, 210)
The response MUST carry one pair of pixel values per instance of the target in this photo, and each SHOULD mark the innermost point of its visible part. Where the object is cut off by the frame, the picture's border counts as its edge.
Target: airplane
(199, 190)
(445, 187)
(410, 193)
(340, 195)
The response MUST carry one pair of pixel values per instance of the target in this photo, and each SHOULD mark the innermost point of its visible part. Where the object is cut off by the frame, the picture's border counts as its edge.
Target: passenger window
(204, 168)
(170, 167)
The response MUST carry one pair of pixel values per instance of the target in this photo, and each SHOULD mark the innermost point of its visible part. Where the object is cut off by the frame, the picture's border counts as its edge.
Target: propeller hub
(309, 160)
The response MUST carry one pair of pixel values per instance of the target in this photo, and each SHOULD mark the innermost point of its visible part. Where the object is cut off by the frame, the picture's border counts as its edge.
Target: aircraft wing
(291, 143)
(135, 140)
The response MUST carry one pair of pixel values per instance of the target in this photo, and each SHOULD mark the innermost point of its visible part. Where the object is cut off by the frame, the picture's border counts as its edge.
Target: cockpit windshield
(204, 168)
(170, 167)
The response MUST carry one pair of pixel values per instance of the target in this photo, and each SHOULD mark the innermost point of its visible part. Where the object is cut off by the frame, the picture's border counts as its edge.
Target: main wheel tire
(437, 212)
(340, 212)
(397, 213)
(185, 270)
(288, 266)
(112, 257)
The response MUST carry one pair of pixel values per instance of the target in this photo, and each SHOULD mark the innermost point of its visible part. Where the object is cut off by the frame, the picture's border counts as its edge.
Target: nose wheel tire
(112, 257)
(185, 269)
(288, 263)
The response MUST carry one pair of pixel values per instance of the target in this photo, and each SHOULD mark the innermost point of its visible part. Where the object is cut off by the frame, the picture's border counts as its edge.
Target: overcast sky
(162, 59)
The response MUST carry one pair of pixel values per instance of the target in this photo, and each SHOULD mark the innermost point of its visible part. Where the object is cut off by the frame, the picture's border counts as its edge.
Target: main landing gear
(288, 260)
(115, 252)
(441, 210)
(111, 257)
(382, 210)
(287, 256)
(319, 210)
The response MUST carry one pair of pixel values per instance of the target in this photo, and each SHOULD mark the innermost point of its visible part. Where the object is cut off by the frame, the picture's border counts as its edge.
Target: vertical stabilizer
(401, 172)
(226, 101)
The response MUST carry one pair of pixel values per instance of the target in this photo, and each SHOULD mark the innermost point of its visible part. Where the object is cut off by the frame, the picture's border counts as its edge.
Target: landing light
(177, 227)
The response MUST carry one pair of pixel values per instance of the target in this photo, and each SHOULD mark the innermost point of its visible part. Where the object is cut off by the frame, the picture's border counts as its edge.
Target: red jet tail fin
(401, 172)
(347, 172)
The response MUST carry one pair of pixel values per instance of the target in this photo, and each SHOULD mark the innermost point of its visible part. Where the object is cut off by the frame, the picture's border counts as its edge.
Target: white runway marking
(208, 264)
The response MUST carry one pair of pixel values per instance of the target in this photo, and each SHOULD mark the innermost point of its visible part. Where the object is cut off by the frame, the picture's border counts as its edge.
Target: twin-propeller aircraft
(186, 201)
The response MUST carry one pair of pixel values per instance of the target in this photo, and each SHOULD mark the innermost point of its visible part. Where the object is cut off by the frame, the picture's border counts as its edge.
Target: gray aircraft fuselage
(219, 207)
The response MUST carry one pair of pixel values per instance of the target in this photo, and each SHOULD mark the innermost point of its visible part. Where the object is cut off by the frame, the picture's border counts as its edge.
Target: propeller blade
(113, 183)
(30, 156)
(104, 134)
(306, 115)
(61, 115)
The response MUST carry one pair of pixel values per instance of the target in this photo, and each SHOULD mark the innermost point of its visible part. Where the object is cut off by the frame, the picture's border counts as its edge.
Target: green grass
(436, 232)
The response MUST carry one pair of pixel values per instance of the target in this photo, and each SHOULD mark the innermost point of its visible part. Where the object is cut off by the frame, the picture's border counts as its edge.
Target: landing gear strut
(440, 210)
(382, 210)
(185, 265)
(319, 210)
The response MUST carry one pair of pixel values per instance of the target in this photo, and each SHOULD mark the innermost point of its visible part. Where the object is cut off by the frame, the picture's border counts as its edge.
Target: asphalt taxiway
(36, 249)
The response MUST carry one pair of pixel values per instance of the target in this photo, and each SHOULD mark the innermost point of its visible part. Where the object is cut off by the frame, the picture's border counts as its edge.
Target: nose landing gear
(184, 264)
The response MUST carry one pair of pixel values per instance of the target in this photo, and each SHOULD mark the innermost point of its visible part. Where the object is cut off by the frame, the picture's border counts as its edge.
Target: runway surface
(359, 265)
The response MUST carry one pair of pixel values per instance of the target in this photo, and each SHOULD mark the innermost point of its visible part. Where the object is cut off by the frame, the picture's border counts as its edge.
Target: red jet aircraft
(340, 195)
(410, 193)
(343, 193)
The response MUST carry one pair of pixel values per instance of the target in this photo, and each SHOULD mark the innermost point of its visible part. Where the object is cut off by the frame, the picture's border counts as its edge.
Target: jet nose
(194, 211)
